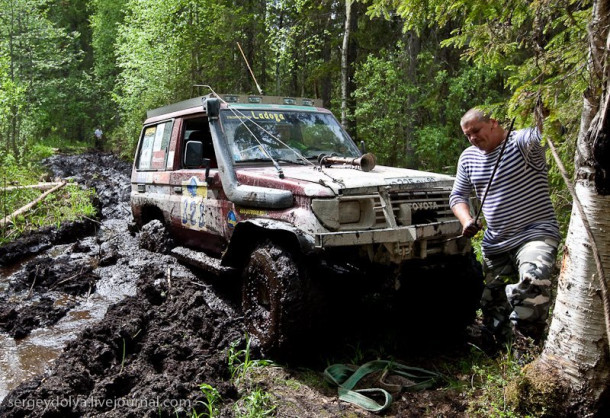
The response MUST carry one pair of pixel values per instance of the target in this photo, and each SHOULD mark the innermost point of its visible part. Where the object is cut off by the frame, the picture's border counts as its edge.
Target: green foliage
(240, 362)
(257, 403)
(67, 204)
(411, 117)
(44, 86)
(490, 379)
(160, 56)
(384, 117)
(211, 403)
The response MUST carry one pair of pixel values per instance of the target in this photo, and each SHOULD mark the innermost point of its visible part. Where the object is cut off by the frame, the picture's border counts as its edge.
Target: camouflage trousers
(517, 292)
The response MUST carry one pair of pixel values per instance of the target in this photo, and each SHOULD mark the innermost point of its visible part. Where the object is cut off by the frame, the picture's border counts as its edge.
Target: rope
(585, 221)
(347, 376)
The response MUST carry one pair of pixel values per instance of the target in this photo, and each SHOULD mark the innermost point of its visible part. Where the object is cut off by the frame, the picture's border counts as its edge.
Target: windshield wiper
(281, 160)
(254, 160)
(288, 160)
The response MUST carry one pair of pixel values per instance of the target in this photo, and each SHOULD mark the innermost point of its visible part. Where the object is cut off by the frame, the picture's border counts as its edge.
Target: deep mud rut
(93, 325)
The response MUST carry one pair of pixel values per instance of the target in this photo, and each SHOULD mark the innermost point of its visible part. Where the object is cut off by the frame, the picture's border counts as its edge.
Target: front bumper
(406, 242)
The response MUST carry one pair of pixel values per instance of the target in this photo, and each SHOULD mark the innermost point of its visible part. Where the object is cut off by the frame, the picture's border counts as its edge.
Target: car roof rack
(176, 107)
(234, 99)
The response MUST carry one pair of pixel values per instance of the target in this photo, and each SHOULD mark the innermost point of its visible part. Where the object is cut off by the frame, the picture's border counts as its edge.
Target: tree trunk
(345, 63)
(571, 376)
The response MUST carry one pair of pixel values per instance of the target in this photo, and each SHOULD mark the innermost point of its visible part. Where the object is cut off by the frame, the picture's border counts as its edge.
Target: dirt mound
(153, 237)
(19, 320)
(108, 175)
(47, 273)
(35, 242)
(154, 348)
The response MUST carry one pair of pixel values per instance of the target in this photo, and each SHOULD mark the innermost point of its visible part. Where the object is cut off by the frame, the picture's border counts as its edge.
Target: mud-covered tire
(273, 299)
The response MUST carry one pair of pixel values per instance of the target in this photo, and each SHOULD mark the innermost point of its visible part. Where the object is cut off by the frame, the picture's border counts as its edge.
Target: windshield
(285, 135)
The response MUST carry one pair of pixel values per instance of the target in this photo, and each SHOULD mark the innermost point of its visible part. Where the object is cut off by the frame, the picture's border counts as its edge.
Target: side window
(154, 146)
(197, 129)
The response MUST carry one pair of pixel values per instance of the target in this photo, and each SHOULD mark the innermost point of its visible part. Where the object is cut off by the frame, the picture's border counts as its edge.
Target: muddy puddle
(24, 359)
(56, 282)
(89, 315)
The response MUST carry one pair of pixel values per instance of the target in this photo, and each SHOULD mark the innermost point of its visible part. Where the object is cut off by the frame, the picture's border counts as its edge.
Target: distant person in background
(520, 242)
(98, 138)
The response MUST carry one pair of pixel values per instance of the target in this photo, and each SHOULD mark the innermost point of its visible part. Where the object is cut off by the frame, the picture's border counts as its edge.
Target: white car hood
(342, 177)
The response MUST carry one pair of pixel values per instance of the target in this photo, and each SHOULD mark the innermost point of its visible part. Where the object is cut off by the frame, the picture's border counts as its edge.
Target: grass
(211, 404)
(483, 380)
(240, 362)
(69, 203)
(66, 204)
(254, 401)
(52, 144)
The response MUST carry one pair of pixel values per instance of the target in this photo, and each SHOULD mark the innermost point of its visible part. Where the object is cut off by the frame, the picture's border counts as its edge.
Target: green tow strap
(347, 376)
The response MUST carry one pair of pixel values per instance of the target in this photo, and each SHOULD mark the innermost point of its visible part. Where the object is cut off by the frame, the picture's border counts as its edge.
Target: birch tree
(345, 62)
(571, 376)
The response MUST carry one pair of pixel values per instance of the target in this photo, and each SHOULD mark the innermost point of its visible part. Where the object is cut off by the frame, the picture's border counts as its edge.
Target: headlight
(345, 213)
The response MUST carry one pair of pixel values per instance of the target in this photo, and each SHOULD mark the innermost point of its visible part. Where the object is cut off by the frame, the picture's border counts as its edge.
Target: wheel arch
(149, 213)
(249, 234)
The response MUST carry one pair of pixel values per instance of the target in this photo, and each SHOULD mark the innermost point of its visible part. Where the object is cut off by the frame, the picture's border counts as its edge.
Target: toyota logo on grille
(423, 206)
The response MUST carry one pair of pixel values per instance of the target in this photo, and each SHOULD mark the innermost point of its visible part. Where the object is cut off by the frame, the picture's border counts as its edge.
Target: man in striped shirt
(520, 242)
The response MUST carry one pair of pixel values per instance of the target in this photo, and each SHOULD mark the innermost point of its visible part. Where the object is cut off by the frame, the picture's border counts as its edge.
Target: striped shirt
(518, 207)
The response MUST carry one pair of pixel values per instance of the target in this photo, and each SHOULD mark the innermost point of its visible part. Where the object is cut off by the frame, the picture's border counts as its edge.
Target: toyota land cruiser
(274, 190)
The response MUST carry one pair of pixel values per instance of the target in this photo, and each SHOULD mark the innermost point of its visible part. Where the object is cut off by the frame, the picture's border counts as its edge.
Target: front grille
(427, 206)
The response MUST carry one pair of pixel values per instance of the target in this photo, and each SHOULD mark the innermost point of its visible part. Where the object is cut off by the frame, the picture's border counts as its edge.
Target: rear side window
(154, 146)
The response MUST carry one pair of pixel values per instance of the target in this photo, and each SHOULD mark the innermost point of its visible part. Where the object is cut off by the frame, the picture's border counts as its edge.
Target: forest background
(410, 69)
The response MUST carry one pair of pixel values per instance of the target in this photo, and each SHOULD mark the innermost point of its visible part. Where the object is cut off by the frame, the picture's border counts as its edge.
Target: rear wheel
(273, 296)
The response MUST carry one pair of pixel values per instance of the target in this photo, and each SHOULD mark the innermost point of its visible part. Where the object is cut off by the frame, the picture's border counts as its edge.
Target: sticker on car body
(192, 205)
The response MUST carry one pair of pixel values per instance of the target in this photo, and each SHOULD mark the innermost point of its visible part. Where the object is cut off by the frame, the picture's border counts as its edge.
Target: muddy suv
(273, 191)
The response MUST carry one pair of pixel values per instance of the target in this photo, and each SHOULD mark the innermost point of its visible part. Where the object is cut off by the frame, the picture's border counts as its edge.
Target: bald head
(481, 130)
(474, 115)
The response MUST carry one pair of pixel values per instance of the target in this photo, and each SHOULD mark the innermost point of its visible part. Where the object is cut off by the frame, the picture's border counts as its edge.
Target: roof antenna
(251, 73)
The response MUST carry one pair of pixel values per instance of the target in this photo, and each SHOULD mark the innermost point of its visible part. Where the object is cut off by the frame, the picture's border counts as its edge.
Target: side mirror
(193, 158)
(193, 154)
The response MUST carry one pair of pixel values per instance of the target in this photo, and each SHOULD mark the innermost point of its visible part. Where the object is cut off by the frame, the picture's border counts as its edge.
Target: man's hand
(471, 228)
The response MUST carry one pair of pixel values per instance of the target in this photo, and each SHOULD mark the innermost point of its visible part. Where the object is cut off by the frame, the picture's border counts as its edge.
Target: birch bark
(576, 356)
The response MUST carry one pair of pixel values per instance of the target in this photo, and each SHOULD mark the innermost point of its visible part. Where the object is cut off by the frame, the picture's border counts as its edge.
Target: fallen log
(30, 205)
(39, 186)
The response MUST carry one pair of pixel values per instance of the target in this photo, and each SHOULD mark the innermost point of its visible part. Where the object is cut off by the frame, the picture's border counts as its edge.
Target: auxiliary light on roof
(289, 101)
(255, 99)
(231, 98)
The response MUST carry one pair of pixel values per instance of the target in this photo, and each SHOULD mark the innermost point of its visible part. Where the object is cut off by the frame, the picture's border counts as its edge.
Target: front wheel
(273, 298)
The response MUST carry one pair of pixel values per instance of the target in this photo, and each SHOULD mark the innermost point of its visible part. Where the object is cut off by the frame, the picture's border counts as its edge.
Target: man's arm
(462, 212)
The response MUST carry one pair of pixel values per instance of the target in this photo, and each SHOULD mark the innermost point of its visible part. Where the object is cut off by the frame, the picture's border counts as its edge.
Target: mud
(36, 242)
(18, 320)
(134, 333)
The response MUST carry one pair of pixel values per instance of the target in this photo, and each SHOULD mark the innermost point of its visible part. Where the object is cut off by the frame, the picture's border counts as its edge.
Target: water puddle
(23, 359)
